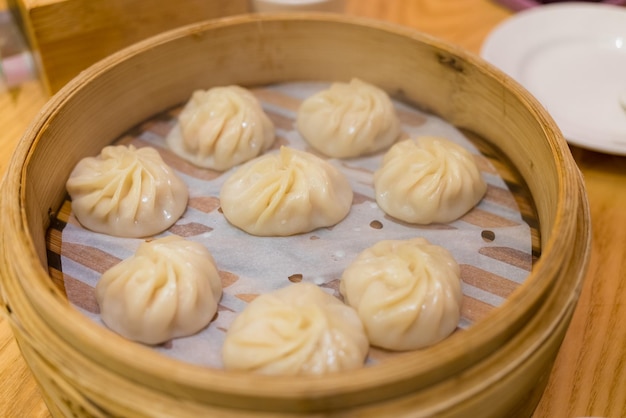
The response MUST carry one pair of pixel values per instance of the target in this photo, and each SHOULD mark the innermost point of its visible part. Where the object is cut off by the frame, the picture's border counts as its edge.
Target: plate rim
(493, 45)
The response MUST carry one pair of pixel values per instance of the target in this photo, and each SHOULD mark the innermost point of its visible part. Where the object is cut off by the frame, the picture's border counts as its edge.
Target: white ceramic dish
(572, 58)
(518, 5)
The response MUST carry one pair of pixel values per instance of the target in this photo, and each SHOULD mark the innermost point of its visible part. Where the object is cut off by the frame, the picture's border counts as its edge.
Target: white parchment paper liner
(253, 265)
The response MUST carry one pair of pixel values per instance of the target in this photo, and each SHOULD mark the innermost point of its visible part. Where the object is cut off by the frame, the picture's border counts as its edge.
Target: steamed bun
(407, 293)
(427, 180)
(126, 192)
(169, 288)
(220, 128)
(348, 120)
(296, 330)
(287, 193)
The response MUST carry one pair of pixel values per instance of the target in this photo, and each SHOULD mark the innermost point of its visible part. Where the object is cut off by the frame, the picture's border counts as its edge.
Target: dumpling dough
(169, 288)
(296, 330)
(287, 193)
(348, 120)
(407, 293)
(220, 128)
(126, 192)
(427, 180)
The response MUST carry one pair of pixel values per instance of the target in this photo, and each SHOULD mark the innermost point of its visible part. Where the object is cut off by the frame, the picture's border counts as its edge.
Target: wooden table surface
(589, 377)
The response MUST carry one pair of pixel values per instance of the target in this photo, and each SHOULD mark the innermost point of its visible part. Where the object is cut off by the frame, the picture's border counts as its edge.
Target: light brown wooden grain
(70, 35)
(589, 376)
(19, 394)
(590, 371)
(464, 22)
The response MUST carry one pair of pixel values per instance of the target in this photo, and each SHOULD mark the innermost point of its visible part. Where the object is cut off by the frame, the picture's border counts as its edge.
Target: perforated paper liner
(493, 243)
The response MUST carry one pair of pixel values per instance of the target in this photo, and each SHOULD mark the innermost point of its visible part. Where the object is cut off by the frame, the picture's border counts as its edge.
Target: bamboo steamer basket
(498, 367)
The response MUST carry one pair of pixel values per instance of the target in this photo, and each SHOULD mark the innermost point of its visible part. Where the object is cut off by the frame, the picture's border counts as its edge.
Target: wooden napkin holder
(67, 36)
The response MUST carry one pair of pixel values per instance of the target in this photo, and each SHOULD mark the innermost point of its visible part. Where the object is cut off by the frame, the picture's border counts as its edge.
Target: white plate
(572, 58)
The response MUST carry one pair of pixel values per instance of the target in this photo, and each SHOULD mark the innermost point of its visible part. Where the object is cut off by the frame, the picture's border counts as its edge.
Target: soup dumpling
(169, 288)
(406, 292)
(285, 193)
(428, 180)
(296, 330)
(349, 120)
(126, 192)
(220, 128)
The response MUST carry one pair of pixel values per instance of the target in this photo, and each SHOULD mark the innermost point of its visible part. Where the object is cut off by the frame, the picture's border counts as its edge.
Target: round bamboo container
(497, 367)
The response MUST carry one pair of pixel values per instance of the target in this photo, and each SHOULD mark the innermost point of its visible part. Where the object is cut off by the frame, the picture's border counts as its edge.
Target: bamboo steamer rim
(139, 361)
